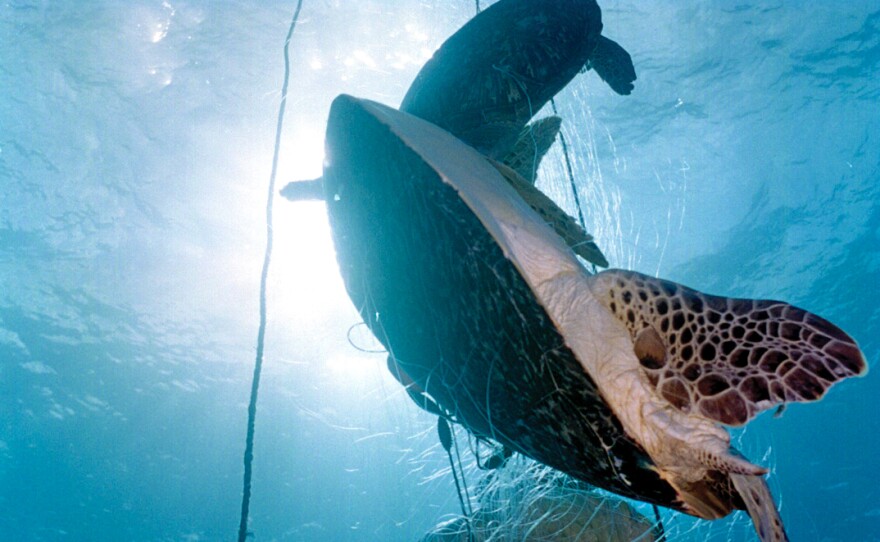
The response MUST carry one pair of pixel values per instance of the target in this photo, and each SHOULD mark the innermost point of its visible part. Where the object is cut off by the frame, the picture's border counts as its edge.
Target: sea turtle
(618, 379)
(495, 73)
(490, 78)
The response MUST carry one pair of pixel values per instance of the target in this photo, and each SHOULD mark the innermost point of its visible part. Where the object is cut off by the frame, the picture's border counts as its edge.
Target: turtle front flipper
(614, 65)
(712, 360)
(727, 359)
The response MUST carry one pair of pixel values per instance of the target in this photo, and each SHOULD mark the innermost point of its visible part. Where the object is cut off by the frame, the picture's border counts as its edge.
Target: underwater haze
(136, 143)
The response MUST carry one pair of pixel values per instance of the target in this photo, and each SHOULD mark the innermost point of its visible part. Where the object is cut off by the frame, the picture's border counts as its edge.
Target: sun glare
(304, 261)
(308, 294)
(355, 366)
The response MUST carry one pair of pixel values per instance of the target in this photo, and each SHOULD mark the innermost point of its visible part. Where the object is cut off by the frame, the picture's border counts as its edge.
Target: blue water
(135, 147)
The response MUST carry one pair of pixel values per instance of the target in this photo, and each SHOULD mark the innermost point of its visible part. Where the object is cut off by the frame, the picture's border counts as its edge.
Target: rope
(261, 334)
(659, 531)
(470, 510)
(477, 2)
(568, 168)
(447, 441)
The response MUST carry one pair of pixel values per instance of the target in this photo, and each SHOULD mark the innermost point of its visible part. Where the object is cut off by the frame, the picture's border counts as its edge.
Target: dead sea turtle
(618, 379)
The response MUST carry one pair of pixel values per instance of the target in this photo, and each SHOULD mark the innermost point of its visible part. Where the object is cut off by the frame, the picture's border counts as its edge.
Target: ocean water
(135, 150)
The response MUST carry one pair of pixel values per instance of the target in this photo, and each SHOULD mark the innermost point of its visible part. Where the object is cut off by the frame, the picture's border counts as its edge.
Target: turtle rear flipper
(566, 227)
(759, 504)
(520, 168)
(614, 65)
(532, 144)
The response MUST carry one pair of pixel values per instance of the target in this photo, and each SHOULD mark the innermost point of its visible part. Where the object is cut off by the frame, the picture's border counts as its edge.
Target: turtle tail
(304, 190)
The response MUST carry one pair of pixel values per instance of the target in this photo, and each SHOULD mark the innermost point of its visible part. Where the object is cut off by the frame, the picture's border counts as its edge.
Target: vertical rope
(568, 168)
(659, 531)
(447, 440)
(261, 334)
(477, 2)
(467, 496)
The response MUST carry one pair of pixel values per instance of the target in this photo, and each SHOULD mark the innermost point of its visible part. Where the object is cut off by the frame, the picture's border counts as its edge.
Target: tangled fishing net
(526, 501)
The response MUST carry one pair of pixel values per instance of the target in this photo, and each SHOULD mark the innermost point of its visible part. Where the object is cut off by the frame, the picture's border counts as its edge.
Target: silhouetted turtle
(618, 379)
(495, 73)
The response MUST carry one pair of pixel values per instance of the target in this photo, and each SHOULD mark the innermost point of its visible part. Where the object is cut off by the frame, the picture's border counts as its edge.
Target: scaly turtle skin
(618, 379)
